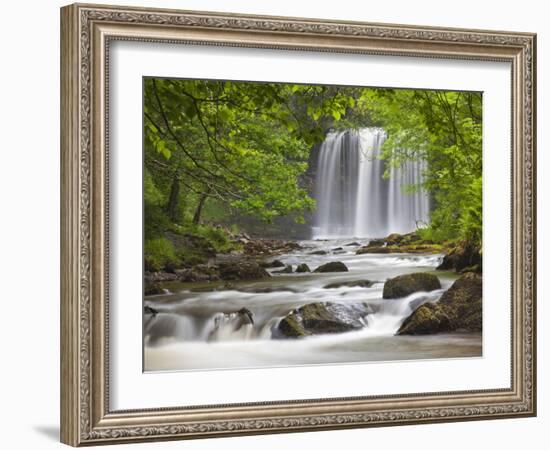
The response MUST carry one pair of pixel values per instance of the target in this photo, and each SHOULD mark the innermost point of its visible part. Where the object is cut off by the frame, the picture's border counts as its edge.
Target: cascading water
(237, 325)
(353, 197)
(198, 319)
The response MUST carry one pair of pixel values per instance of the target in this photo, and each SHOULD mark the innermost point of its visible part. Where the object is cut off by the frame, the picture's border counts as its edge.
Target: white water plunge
(353, 198)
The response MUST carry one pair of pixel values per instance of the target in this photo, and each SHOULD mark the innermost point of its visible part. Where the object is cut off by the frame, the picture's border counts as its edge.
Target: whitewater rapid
(201, 329)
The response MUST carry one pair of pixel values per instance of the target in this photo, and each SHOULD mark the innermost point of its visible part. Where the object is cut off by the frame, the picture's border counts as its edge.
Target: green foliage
(217, 237)
(211, 237)
(151, 194)
(444, 129)
(158, 253)
(241, 144)
(471, 217)
(187, 256)
(155, 219)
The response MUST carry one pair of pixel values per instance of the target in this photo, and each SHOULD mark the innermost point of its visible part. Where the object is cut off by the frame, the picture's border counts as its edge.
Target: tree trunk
(173, 200)
(198, 210)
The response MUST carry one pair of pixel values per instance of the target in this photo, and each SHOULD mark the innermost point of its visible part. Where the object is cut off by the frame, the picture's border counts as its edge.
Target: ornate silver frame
(86, 31)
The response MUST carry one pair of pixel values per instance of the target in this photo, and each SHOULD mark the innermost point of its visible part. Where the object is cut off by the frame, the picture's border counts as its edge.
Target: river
(197, 326)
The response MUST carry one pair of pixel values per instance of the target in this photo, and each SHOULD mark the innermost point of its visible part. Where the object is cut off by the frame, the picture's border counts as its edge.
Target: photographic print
(296, 224)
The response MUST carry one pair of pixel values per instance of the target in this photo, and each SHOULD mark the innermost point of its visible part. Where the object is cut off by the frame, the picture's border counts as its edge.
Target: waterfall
(353, 198)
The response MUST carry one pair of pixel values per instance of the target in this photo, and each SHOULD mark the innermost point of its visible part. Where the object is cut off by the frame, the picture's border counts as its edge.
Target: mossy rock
(393, 239)
(272, 264)
(476, 268)
(459, 309)
(404, 285)
(291, 327)
(427, 319)
(376, 243)
(463, 302)
(302, 268)
(323, 318)
(462, 258)
(241, 270)
(153, 289)
(333, 266)
(410, 238)
(376, 249)
(408, 248)
(421, 248)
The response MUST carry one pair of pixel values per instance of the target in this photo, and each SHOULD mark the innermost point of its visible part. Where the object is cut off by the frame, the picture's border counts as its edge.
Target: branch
(174, 136)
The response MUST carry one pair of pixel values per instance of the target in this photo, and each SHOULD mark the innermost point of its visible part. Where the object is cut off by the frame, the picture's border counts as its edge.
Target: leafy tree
(443, 128)
(243, 144)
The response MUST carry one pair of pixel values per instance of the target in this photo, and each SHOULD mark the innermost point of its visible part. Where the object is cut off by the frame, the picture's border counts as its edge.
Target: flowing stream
(200, 328)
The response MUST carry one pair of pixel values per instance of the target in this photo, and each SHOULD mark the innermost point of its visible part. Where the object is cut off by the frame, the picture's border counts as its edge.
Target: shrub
(158, 253)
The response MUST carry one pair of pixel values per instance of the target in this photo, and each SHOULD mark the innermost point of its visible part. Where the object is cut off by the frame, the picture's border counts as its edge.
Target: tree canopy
(244, 144)
(444, 128)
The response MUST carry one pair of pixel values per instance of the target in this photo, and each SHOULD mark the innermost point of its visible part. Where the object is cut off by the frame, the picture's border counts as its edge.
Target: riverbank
(249, 258)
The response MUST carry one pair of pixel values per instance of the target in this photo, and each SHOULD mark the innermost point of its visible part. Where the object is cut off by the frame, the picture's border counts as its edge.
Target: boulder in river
(376, 249)
(323, 318)
(274, 263)
(318, 252)
(234, 320)
(302, 268)
(459, 309)
(153, 288)
(465, 258)
(150, 310)
(287, 269)
(245, 316)
(427, 319)
(404, 285)
(393, 239)
(376, 243)
(333, 266)
(353, 244)
(242, 270)
(354, 283)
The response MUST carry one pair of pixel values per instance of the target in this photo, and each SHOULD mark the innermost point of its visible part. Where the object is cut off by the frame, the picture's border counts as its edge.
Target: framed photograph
(276, 224)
